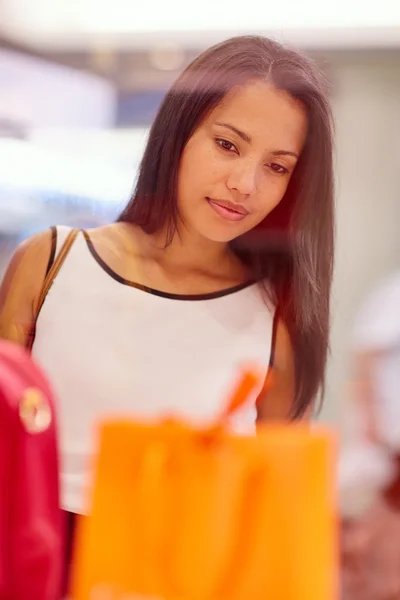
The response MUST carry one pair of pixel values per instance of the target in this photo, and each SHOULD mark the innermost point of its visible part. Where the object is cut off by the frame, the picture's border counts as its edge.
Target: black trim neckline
(153, 291)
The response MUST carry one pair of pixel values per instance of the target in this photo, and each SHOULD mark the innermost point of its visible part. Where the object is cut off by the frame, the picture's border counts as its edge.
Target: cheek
(198, 167)
(271, 195)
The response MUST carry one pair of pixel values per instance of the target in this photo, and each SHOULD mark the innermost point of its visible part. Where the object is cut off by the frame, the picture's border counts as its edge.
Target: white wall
(36, 93)
(367, 113)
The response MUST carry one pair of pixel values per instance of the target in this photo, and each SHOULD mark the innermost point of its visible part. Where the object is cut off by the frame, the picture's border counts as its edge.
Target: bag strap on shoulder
(49, 279)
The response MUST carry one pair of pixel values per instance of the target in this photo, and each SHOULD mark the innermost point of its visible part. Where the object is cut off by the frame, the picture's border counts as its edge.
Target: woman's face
(237, 165)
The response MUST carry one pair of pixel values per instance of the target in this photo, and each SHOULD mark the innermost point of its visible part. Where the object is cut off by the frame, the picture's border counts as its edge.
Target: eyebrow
(246, 138)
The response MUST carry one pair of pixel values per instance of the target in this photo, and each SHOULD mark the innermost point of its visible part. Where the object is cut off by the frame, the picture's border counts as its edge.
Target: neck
(186, 251)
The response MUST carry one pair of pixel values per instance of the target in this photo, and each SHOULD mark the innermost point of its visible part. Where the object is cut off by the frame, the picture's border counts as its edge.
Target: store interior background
(80, 83)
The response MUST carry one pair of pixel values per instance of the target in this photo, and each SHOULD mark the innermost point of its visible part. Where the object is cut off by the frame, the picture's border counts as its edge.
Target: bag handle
(48, 281)
(249, 378)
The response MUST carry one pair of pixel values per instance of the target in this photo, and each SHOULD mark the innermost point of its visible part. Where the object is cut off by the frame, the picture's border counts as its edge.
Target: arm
(376, 335)
(21, 285)
(275, 403)
(365, 396)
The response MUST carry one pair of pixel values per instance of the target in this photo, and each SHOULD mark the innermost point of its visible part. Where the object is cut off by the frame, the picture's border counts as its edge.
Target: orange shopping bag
(180, 513)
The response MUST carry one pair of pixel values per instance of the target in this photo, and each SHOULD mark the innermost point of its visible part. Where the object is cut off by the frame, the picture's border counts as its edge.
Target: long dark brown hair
(293, 247)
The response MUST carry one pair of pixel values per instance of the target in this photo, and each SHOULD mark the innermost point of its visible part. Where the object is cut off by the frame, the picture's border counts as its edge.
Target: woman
(223, 255)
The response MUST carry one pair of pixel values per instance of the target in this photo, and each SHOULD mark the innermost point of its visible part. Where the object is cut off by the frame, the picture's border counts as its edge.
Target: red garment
(31, 527)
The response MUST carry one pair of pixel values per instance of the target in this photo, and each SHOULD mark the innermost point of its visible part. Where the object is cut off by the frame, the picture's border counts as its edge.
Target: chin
(221, 235)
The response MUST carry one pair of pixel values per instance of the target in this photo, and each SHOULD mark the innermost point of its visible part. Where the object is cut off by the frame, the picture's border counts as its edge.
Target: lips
(228, 210)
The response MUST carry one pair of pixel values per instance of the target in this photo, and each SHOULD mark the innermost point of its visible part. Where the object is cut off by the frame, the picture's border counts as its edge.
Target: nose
(242, 177)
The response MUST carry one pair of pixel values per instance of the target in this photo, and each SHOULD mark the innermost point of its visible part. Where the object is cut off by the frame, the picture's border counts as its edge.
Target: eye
(278, 168)
(225, 145)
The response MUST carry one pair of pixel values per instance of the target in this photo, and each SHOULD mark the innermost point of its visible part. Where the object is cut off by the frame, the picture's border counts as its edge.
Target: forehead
(269, 116)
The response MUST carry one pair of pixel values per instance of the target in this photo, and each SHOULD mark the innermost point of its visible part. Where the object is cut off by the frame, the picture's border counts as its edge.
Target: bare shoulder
(111, 231)
(114, 236)
(29, 261)
(22, 284)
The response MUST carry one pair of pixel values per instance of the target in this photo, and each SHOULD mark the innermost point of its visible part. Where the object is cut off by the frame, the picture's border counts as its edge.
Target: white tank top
(112, 348)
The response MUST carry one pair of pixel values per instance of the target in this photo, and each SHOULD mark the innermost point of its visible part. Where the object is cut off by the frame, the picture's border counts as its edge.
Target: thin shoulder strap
(49, 279)
(55, 267)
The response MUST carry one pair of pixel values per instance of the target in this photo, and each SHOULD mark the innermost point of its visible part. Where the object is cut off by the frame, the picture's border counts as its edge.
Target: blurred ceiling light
(57, 23)
(26, 166)
(123, 147)
(178, 15)
(103, 58)
(167, 58)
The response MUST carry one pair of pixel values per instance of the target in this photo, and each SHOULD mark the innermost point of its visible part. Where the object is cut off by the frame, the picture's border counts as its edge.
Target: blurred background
(80, 82)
